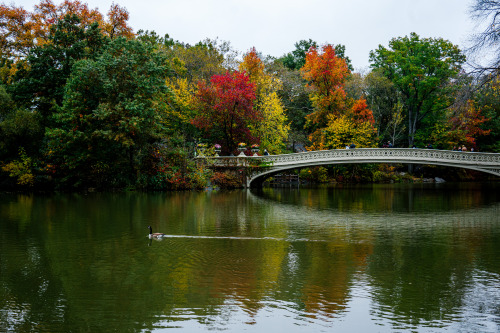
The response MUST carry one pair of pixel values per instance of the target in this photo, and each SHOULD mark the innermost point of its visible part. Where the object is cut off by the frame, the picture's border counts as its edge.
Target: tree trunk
(410, 169)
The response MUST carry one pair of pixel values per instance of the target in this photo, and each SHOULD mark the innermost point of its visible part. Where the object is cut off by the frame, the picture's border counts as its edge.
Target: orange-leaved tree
(326, 74)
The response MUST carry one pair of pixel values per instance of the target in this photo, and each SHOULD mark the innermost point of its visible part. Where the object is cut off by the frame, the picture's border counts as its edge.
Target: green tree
(18, 128)
(111, 115)
(296, 59)
(41, 86)
(421, 69)
(383, 99)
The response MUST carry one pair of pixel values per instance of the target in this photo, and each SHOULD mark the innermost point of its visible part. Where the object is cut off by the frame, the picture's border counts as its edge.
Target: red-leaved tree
(465, 124)
(225, 109)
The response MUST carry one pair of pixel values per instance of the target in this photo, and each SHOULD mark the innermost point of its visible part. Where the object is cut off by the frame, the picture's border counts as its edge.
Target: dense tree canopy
(327, 74)
(22, 30)
(50, 65)
(111, 113)
(86, 102)
(421, 69)
(296, 59)
(226, 109)
(273, 128)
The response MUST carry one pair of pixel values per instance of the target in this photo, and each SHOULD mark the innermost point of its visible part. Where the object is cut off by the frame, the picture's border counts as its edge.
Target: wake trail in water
(244, 238)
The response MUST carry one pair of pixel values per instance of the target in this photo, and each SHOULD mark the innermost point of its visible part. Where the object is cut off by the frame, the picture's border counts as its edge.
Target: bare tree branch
(486, 13)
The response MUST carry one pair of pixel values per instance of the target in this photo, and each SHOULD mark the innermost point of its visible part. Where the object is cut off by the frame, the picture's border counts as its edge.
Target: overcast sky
(273, 26)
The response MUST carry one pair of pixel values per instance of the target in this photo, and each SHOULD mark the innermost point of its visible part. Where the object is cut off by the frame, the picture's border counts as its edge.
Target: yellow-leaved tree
(181, 101)
(342, 130)
(274, 128)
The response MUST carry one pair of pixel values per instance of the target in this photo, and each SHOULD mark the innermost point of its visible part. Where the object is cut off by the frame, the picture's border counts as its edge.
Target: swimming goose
(156, 234)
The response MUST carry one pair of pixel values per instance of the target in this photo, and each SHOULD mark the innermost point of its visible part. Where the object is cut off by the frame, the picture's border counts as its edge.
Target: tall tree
(197, 62)
(111, 114)
(326, 74)
(41, 85)
(189, 65)
(420, 68)
(295, 99)
(226, 110)
(273, 130)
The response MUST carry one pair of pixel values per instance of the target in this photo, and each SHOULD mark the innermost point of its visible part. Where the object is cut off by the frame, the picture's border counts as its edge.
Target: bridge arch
(484, 162)
(261, 177)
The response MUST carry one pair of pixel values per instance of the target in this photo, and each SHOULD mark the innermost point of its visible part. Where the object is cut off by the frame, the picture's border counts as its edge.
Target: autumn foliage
(91, 104)
(20, 29)
(334, 113)
(252, 65)
(225, 108)
(465, 125)
(326, 74)
(361, 113)
(273, 130)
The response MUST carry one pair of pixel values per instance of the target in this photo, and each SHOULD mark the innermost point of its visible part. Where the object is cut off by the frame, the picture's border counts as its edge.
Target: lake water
(372, 258)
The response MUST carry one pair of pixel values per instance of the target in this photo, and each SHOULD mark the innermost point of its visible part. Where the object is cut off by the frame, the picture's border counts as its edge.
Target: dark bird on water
(156, 234)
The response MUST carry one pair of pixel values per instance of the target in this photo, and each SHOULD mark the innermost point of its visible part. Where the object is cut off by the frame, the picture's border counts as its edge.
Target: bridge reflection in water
(258, 168)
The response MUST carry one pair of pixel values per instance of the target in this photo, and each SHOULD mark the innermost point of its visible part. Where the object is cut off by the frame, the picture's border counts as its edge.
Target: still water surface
(374, 258)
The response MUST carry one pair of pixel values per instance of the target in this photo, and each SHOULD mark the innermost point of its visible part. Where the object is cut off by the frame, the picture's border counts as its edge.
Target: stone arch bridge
(257, 168)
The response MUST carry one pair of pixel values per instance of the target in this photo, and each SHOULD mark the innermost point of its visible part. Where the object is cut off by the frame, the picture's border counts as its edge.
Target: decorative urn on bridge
(242, 147)
(255, 149)
(217, 148)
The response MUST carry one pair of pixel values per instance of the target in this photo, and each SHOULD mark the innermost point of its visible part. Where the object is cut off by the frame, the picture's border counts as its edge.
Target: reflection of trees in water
(383, 198)
(418, 265)
(31, 298)
(420, 277)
